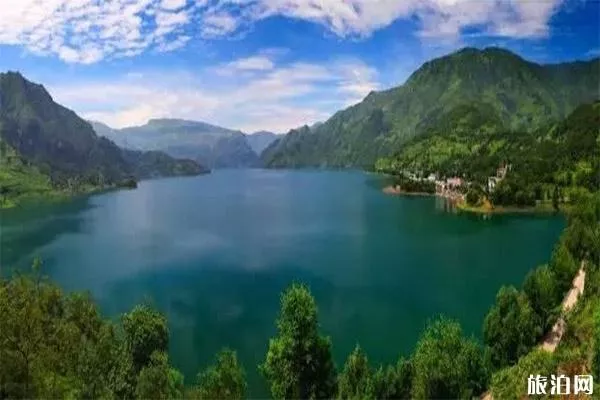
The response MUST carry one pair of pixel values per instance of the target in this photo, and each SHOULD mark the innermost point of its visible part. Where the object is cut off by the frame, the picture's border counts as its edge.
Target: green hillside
(48, 149)
(20, 180)
(520, 95)
(468, 142)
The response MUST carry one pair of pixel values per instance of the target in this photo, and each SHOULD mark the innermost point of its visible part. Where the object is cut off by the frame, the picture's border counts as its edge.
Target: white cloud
(439, 18)
(216, 24)
(87, 31)
(277, 99)
(256, 63)
(172, 4)
(173, 45)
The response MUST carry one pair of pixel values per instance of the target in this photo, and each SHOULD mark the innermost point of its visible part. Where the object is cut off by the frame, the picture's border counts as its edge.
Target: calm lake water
(214, 253)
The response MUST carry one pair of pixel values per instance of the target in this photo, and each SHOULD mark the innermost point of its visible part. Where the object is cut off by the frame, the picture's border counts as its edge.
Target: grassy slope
(20, 181)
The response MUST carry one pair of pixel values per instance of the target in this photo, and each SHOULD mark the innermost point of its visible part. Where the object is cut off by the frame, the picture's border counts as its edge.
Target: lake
(214, 253)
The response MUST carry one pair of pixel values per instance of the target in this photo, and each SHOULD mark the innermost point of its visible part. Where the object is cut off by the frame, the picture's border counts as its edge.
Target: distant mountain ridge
(260, 140)
(211, 145)
(59, 144)
(521, 94)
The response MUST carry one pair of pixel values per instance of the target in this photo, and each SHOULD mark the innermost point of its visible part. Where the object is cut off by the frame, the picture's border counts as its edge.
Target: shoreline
(538, 209)
(396, 191)
(57, 196)
(462, 206)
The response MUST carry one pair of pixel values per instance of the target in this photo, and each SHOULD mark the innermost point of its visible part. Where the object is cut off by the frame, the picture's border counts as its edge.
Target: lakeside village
(453, 188)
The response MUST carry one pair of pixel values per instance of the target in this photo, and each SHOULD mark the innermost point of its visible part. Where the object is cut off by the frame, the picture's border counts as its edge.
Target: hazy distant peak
(173, 122)
(260, 140)
(95, 123)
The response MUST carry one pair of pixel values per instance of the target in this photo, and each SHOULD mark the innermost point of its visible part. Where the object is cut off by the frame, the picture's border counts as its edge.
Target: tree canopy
(299, 363)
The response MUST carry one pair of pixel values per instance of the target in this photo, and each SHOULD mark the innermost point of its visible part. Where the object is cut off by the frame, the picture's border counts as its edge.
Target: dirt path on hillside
(552, 339)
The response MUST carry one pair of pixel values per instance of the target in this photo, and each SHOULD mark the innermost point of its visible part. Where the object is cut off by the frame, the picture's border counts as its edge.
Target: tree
(446, 364)
(392, 382)
(176, 386)
(473, 197)
(582, 235)
(354, 381)
(56, 346)
(542, 290)
(556, 198)
(511, 327)
(225, 380)
(298, 364)
(158, 380)
(145, 332)
(564, 266)
(511, 382)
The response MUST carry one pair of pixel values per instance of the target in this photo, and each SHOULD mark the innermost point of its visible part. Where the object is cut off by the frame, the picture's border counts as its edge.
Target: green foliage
(392, 382)
(146, 332)
(176, 384)
(225, 380)
(359, 381)
(19, 180)
(298, 363)
(582, 236)
(447, 365)
(469, 93)
(547, 164)
(577, 342)
(542, 289)
(564, 266)
(416, 186)
(511, 382)
(56, 346)
(153, 381)
(130, 183)
(474, 197)
(355, 379)
(511, 327)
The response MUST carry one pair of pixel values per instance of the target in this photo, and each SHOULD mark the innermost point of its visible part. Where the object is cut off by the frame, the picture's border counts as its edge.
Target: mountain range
(517, 94)
(452, 114)
(52, 143)
(210, 145)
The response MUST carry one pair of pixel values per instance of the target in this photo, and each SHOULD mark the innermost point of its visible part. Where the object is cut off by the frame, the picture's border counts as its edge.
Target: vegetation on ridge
(47, 150)
(521, 95)
(546, 165)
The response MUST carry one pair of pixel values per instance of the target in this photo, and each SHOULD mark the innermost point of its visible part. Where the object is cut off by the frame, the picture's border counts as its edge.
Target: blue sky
(264, 64)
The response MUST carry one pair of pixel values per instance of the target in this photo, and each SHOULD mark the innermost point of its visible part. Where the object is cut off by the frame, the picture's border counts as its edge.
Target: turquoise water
(214, 252)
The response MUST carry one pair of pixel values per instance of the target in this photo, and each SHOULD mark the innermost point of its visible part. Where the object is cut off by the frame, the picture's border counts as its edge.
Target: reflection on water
(23, 231)
(214, 253)
(444, 204)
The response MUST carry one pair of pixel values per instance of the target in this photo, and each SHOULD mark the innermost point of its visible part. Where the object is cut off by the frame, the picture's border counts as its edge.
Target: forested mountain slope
(468, 143)
(521, 95)
(46, 139)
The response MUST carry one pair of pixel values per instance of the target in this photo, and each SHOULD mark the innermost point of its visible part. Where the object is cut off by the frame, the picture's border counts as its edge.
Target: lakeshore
(396, 190)
(460, 204)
